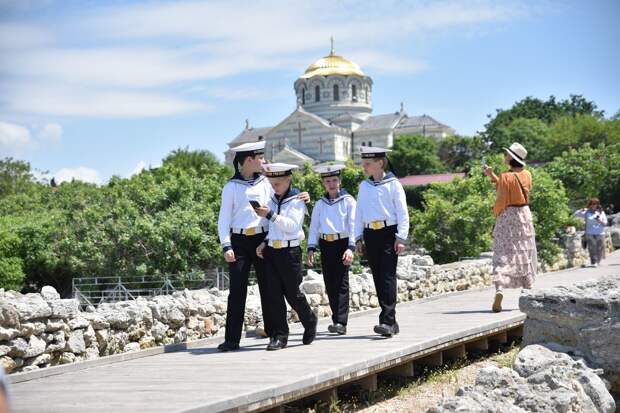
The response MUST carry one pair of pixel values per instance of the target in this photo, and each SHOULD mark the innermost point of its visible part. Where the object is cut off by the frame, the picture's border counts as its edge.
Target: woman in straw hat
(514, 246)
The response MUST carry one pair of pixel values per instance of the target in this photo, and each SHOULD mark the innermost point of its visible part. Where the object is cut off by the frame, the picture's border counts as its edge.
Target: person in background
(596, 221)
(283, 257)
(515, 259)
(382, 227)
(332, 231)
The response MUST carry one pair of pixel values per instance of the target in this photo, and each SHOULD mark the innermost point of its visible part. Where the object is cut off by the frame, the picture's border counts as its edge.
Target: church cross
(321, 141)
(299, 129)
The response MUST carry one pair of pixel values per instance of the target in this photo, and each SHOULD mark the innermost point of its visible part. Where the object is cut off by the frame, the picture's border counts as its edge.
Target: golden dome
(332, 65)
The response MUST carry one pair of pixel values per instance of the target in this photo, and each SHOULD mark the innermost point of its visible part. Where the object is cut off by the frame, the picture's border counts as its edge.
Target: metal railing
(96, 290)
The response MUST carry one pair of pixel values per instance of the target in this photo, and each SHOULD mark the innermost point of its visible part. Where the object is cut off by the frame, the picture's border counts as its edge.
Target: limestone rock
(54, 325)
(67, 358)
(75, 342)
(132, 347)
(8, 364)
(49, 293)
(543, 381)
(9, 317)
(32, 306)
(78, 323)
(65, 308)
(8, 333)
(19, 346)
(36, 346)
(39, 360)
(312, 287)
(585, 316)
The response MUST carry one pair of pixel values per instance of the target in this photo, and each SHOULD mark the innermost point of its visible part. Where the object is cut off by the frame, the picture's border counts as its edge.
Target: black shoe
(310, 333)
(277, 343)
(228, 346)
(387, 330)
(337, 328)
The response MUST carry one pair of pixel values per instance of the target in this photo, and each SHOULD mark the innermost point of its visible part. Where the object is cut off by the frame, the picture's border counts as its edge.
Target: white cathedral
(333, 118)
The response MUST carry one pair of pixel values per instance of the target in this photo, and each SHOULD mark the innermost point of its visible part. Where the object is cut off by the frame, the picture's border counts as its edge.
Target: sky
(92, 89)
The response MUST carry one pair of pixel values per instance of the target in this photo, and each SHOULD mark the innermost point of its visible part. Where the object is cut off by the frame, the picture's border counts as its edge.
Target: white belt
(334, 237)
(249, 231)
(278, 243)
(378, 224)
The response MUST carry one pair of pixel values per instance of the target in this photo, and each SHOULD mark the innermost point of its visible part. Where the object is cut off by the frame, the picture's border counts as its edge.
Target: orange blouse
(509, 191)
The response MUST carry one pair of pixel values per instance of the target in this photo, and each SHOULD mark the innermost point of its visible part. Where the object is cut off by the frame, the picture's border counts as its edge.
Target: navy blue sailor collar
(342, 194)
(238, 178)
(291, 194)
(389, 177)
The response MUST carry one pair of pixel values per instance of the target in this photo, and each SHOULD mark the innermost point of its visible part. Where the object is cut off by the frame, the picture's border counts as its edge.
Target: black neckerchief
(238, 178)
(290, 194)
(342, 194)
(389, 177)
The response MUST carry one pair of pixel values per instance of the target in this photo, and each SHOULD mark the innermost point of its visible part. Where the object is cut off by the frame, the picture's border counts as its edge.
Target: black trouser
(382, 260)
(283, 274)
(336, 277)
(245, 253)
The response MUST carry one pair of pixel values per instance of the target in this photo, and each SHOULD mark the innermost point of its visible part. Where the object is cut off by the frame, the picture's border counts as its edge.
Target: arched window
(336, 92)
(317, 93)
(363, 143)
(354, 92)
(369, 143)
(303, 96)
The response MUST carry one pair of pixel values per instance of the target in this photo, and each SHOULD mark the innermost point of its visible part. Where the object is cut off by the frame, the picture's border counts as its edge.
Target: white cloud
(139, 168)
(51, 132)
(81, 173)
(139, 60)
(13, 137)
(76, 101)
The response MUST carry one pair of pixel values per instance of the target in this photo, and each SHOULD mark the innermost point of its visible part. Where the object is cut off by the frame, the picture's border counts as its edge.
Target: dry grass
(396, 394)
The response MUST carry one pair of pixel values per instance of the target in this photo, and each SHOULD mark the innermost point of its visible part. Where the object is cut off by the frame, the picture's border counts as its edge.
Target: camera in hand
(254, 204)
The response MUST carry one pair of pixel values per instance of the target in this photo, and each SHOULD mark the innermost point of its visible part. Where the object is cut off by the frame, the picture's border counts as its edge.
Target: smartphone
(254, 204)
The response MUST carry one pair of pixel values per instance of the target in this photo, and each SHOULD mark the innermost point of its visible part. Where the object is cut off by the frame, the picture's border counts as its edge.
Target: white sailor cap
(278, 169)
(373, 152)
(329, 170)
(250, 148)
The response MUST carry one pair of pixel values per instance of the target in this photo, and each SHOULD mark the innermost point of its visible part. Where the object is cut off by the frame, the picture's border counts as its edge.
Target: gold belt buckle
(250, 231)
(330, 237)
(376, 224)
(277, 243)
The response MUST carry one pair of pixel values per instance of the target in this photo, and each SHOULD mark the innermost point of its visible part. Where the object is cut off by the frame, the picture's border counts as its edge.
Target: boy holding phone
(332, 230)
(283, 258)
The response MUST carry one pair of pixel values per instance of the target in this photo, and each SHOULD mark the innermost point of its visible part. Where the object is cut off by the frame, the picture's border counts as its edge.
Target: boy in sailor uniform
(240, 231)
(382, 224)
(283, 258)
(332, 230)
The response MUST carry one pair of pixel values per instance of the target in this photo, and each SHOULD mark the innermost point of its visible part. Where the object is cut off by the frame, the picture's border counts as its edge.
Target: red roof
(414, 180)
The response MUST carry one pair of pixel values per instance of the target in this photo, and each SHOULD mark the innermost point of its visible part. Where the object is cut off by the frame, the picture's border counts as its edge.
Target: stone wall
(585, 316)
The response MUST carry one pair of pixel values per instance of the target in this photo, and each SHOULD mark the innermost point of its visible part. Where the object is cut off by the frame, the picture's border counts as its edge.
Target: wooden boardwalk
(203, 380)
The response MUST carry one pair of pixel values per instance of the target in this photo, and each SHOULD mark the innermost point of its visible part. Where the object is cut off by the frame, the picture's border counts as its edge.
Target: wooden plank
(367, 383)
(454, 353)
(432, 360)
(402, 370)
(478, 345)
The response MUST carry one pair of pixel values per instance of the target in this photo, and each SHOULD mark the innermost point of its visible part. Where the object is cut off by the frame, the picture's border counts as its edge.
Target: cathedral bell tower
(335, 89)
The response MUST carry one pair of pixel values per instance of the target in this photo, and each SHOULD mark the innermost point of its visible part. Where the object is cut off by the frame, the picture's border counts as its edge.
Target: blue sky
(92, 89)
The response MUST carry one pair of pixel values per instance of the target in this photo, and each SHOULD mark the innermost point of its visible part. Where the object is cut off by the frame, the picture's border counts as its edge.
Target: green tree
(589, 172)
(532, 108)
(414, 155)
(533, 133)
(15, 177)
(460, 153)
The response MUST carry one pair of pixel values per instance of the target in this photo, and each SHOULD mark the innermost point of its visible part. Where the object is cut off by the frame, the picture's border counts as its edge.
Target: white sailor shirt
(286, 217)
(333, 216)
(236, 210)
(382, 201)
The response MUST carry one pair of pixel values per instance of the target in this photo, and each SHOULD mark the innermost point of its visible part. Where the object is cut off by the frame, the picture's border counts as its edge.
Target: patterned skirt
(515, 259)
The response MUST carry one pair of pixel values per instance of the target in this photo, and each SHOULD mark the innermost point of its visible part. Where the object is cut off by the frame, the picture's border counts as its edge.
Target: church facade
(333, 118)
